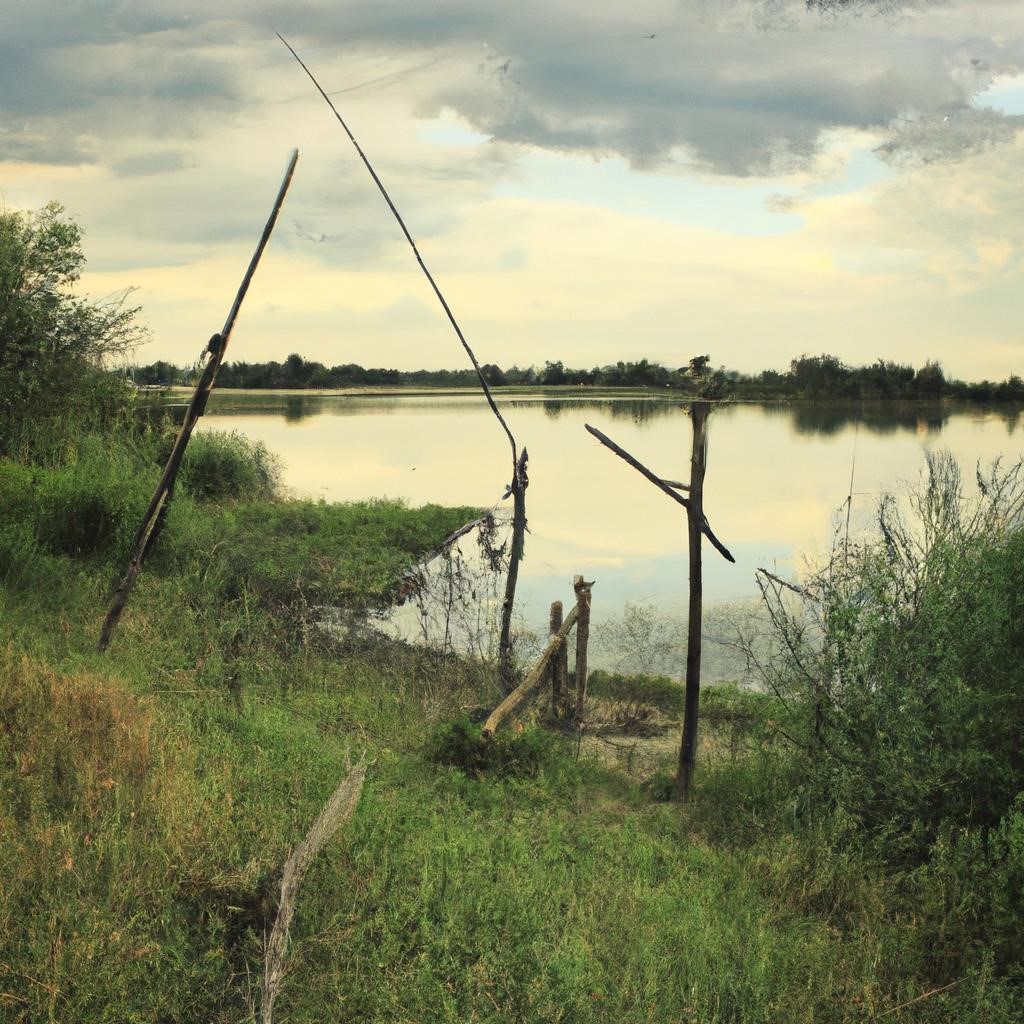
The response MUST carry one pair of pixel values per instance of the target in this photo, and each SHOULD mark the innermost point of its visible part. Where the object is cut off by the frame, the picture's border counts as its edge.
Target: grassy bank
(149, 796)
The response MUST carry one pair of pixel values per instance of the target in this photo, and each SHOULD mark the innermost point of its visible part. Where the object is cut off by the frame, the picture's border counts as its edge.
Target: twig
(789, 586)
(920, 998)
(156, 513)
(487, 520)
(663, 485)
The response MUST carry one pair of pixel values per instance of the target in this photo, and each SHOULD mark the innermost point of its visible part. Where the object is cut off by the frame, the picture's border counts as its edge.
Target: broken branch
(662, 485)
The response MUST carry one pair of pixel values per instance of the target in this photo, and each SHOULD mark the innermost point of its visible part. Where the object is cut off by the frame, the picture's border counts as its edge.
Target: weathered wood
(557, 666)
(691, 710)
(520, 482)
(156, 512)
(582, 589)
(336, 812)
(663, 485)
(534, 680)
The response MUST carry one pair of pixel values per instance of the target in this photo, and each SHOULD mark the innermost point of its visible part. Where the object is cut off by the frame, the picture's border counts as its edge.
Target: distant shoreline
(568, 392)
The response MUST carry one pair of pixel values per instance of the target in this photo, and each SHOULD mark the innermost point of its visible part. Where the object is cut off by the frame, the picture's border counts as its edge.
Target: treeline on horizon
(821, 376)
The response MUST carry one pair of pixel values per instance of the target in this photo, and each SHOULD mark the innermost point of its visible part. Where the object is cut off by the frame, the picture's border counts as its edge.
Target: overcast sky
(589, 181)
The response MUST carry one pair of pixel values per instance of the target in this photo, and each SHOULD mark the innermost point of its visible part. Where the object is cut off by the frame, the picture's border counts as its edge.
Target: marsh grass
(149, 802)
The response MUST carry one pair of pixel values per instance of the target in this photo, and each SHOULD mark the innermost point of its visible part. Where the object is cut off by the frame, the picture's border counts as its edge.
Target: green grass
(149, 796)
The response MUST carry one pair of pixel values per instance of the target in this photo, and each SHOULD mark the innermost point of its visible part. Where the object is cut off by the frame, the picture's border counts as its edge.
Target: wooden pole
(536, 676)
(153, 520)
(506, 670)
(582, 589)
(556, 668)
(694, 520)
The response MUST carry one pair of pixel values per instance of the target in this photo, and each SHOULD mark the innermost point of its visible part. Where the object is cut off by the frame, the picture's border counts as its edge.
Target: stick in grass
(517, 488)
(338, 810)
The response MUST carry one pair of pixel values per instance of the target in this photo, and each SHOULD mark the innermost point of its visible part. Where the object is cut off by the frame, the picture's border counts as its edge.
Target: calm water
(776, 476)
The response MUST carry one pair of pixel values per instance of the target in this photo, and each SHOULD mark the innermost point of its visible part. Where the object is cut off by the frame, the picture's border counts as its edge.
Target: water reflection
(824, 419)
(776, 475)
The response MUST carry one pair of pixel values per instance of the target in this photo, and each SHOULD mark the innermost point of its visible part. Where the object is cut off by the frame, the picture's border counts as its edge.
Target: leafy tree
(160, 372)
(823, 376)
(699, 365)
(493, 374)
(553, 373)
(53, 343)
(930, 380)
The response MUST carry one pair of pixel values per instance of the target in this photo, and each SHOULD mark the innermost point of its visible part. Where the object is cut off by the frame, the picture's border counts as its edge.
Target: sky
(588, 181)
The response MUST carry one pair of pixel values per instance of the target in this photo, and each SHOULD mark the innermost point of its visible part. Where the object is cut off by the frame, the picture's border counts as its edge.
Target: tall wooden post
(520, 481)
(582, 589)
(557, 665)
(695, 523)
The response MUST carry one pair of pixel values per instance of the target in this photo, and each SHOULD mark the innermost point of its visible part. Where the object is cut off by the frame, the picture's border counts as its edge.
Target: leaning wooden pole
(534, 680)
(694, 521)
(517, 488)
(153, 519)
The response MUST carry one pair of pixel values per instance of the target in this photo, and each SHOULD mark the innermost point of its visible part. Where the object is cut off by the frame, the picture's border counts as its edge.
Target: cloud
(739, 88)
(954, 135)
(732, 87)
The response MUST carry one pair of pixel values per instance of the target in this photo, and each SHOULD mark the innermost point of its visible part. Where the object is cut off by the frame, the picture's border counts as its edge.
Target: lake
(777, 476)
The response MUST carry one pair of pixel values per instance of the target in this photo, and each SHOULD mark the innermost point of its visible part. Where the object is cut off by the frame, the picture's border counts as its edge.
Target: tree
(930, 381)
(699, 365)
(553, 373)
(494, 375)
(53, 343)
(822, 376)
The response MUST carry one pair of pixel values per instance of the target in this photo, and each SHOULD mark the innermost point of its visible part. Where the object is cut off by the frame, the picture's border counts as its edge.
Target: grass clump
(226, 465)
(661, 692)
(504, 754)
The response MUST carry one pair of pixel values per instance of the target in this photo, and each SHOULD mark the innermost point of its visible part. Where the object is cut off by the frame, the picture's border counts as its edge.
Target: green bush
(92, 506)
(904, 665)
(667, 695)
(461, 744)
(221, 465)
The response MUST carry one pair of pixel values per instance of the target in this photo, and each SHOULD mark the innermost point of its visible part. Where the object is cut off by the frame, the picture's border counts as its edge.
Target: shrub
(89, 503)
(219, 465)
(902, 661)
(461, 744)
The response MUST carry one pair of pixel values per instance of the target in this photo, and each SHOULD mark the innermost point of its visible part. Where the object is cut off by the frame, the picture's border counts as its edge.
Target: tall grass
(148, 799)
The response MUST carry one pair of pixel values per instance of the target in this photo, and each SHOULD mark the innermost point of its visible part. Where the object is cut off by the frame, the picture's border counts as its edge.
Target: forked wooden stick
(663, 485)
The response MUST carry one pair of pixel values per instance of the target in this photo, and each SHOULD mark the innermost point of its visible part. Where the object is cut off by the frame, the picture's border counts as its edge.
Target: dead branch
(662, 485)
(408, 237)
(338, 810)
(156, 513)
(920, 998)
(789, 586)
